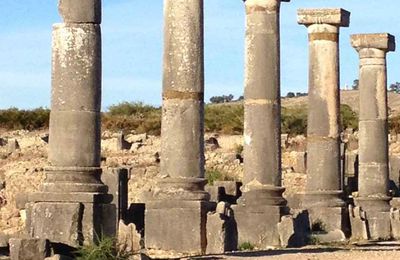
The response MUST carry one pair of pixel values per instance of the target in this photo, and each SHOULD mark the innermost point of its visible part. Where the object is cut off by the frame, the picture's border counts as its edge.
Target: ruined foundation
(73, 207)
(373, 188)
(323, 195)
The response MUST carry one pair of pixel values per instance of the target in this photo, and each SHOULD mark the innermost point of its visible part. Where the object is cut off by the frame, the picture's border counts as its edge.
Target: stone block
(286, 230)
(85, 221)
(48, 220)
(394, 171)
(334, 16)
(117, 182)
(4, 240)
(300, 162)
(129, 240)
(228, 191)
(358, 224)
(379, 225)
(395, 223)
(176, 225)
(326, 219)
(29, 249)
(258, 225)
(82, 11)
(221, 230)
(214, 192)
(334, 236)
(351, 164)
(383, 41)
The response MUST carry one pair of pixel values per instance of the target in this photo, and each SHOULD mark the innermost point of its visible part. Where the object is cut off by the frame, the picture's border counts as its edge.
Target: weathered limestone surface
(29, 249)
(358, 223)
(129, 240)
(221, 230)
(373, 184)
(177, 225)
(82, 11)
(72, 207)
(261, 206)
(323, 189)
(178, 207)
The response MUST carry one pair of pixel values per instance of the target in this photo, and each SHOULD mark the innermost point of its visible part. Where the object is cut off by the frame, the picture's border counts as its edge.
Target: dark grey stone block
(29, 249)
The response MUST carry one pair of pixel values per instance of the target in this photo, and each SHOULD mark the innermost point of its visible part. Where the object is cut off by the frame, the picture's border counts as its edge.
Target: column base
(258, 225)
(377, 213)
(262, 195)
(177, 225)
(328, 214)
(73, 179)
(72, 219)
(184, 189)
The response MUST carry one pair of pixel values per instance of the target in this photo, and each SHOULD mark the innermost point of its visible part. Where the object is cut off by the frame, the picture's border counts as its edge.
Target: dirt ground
(374, 251)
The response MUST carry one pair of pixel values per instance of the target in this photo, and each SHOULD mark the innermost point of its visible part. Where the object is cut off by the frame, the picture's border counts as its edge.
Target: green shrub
(246, 246)
(215, 175)
(14, 118)
(133, 116)
(239, 148)
(137, 109)
(226, 119)
(294, 120)
(349, 117)
(105, 249)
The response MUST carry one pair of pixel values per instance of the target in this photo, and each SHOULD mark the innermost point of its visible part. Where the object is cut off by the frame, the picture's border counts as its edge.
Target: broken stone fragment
(129, 240)
(82, 11)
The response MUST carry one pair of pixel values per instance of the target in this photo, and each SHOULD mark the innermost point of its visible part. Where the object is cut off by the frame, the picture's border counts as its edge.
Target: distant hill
(348, 97)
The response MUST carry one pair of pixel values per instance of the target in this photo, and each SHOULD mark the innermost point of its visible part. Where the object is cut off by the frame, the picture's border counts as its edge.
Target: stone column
(177, 208)
(323, 189)
(260, 208)
(73, 194)
(373, 131)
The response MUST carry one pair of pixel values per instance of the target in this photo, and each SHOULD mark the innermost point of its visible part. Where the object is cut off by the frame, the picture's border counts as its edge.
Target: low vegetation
(246, 246)
(14, 118)
(142, 118)
(215, 175)
(105, 249)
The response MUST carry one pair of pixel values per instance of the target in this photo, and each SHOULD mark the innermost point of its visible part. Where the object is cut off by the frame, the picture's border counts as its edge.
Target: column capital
(263, 5)
(333, 16)
(381, 41)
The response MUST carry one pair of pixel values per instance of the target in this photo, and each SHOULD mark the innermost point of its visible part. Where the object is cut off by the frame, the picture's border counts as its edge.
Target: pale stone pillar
(73, 205)
(323, 188)
(177, 208)
(261, 205)
(75, 129)
(373, 177)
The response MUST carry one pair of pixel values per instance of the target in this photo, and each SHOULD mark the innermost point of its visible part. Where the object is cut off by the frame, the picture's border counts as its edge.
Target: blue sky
(132, 47)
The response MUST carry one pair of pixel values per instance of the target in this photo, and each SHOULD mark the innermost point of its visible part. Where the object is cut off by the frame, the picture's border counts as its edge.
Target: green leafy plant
(215, 175)
(105, 249)
(239, 149)
(246, 246)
